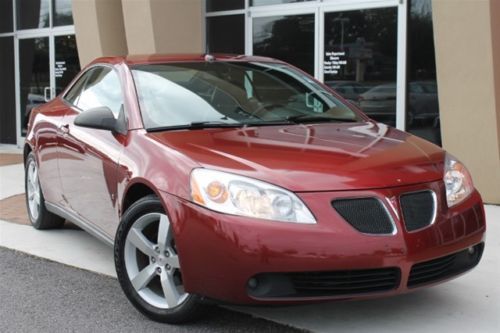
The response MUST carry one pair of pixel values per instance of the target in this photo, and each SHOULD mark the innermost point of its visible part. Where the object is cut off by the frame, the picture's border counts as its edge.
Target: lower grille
(419, 209)
(366, 215)
(445, 267)
(321, 284)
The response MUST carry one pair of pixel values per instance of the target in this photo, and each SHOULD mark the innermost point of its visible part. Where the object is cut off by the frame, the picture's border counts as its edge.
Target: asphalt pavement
(37, 295)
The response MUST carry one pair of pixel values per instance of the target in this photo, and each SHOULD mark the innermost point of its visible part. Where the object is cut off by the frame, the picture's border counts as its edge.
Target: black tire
(45, 219)
(185, 312)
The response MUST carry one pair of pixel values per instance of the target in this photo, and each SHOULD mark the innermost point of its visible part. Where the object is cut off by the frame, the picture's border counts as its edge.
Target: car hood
(320, 157)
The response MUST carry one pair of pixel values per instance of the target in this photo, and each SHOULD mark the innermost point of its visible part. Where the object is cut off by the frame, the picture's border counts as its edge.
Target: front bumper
(222, 255)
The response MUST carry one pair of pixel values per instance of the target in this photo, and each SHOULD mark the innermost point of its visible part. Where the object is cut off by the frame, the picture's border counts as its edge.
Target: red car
(244, 180)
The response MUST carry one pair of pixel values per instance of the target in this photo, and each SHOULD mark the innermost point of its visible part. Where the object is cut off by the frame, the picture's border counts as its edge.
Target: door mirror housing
(103, 118)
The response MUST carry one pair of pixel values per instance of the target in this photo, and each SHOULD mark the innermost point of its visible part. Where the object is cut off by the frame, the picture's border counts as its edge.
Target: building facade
(430, 67)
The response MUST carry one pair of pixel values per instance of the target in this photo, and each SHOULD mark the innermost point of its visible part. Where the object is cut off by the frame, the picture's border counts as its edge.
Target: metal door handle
(45, 91)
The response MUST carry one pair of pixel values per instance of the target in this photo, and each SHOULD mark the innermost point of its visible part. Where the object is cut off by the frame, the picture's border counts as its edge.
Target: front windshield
(232, 93)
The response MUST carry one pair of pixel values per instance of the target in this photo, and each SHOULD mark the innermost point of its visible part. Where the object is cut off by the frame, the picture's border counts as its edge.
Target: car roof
(145, 59)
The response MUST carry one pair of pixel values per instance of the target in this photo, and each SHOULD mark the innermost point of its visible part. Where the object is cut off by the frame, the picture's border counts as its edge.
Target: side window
(101, 89)
(73, 94)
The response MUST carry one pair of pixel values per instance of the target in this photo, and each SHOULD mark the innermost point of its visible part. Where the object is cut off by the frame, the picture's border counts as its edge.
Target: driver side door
(88, 158)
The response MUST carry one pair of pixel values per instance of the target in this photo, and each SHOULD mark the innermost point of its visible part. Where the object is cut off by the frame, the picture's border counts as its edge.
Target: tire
(148, 269)
(38, 214)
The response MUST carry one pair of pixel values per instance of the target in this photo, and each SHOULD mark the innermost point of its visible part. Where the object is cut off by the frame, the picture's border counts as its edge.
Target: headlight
(238, 195)
(457, 180)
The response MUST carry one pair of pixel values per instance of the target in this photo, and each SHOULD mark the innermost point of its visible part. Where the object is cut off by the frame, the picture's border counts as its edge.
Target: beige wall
(163, 26)
(99, 29)
(467, 55)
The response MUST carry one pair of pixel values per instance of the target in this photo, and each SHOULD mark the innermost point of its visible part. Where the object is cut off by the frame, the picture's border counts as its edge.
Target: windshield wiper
(196, 125)
(303, 118)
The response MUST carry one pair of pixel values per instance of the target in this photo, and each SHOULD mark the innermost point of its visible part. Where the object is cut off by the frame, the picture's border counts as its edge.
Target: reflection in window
(288, 38)
(360, 59)
(220, 5)
(102, 89)
(62, 12)
(6, 16)
(220, 39)
(67, 64)
(273, 2)
(34, 75)
(32, 14)
(422, 111)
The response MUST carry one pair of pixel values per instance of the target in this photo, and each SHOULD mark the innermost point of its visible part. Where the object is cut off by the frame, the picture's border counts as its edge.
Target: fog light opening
(253, 283)
(471, 250)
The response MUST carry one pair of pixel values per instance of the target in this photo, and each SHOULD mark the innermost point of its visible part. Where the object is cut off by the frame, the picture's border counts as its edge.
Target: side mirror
(103, 118)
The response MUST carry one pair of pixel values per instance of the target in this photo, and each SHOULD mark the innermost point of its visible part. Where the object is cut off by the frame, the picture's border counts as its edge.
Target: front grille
(366, 215)
(419, 209)
(445, 267)
(324, 284)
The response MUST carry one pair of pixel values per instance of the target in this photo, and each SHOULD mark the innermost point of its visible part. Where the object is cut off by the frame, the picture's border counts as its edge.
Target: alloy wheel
(33, 189)
(152, 263)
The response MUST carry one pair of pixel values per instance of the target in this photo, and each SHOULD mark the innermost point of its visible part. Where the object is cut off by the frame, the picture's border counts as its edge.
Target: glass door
(46, 65)
(360, 58)
(34, 76)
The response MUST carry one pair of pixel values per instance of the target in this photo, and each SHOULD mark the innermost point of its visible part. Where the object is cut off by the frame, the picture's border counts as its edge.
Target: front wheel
(148, 266)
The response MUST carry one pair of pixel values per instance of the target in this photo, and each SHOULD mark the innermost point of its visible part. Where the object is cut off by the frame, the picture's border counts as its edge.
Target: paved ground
(37, 295)
(469, 303)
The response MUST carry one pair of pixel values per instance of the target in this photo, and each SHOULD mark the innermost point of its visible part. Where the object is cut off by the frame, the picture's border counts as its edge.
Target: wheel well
(134, 193)
(26, 151)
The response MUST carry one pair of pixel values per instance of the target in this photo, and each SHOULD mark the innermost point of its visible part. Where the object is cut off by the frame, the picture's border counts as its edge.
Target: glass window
(102, 88)
(62, 12)
(226, 34)
(361, 59)
(34, 75)
(220, 5)
(422, 111)
(7, 91)
(6, 24)
(288, 38)
(233, 94)
(73, 94)
(32, 14)
(273, 2)
(67, 63)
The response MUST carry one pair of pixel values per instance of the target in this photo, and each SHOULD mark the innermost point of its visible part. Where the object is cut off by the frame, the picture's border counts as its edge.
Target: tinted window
(361, 50)
(6, 16)
(7, 91)
(32, 14)
(62, 13)
(422, 110)
(73, 94)
(226, 34)
(102, 88)
(232, 94)
(288, 38)
(219, 5)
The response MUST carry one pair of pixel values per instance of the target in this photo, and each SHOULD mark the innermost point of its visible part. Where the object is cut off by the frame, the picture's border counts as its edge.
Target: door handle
(64, 129)
(47, 94)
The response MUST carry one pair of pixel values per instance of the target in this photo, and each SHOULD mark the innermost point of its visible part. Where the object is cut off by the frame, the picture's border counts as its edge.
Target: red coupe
(244, 180)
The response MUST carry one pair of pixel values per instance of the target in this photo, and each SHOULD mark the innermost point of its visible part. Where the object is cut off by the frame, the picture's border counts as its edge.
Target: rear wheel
(38, 214)
(148, 266)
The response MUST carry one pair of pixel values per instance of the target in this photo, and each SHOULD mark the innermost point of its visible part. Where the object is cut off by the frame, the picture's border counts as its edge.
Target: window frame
(82, 75)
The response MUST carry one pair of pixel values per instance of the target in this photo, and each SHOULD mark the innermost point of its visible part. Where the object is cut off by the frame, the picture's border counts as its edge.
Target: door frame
(19, 35)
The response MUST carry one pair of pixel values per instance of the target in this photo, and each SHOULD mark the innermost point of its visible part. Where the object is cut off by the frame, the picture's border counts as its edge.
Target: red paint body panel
(88, 172)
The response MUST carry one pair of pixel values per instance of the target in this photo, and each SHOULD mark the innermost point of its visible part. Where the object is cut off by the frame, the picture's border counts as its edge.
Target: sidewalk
(469, 303)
